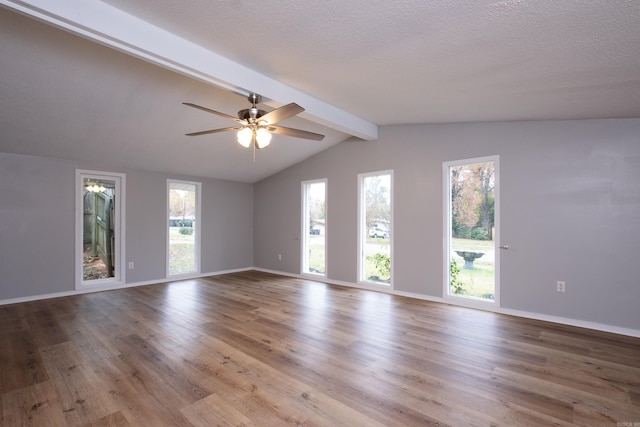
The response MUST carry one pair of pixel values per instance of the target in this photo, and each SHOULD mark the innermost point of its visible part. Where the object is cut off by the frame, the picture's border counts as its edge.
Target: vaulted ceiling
(103, 82)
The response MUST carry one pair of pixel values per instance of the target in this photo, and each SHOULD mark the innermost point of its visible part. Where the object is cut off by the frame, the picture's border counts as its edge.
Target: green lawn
(182, 258)
(317, 255)
(478, 282)
(174, 234)
(371, 272)
(181, 252)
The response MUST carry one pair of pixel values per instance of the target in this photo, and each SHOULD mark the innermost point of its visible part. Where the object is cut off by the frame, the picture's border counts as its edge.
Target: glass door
(375, 237)
(183, 232)
(314, 228)
(471, 229)
(99, 229)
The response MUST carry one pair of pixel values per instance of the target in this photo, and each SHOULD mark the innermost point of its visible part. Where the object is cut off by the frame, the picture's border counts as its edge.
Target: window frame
(119, 278)
(305, 228)
(197, 229)
(446, 181)
(363, 231)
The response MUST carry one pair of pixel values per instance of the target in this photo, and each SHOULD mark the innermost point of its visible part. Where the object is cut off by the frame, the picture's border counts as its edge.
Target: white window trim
(119, 279)
(362, 233)
(198, 228)
(456, 299)
(305, 232)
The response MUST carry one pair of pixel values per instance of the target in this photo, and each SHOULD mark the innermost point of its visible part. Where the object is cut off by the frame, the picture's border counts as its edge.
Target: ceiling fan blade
(206, 132)
(279, 114)
(208, 110)
(281, 130)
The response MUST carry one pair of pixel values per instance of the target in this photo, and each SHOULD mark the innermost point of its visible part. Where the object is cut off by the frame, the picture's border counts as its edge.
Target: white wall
(570, 193)
(37, 218)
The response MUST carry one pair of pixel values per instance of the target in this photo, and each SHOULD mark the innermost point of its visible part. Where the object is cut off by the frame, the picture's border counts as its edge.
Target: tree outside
(472, 201)
(472, 192)
(182, 205)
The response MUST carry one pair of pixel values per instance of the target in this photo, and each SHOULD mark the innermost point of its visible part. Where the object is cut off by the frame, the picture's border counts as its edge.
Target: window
(471, 229)
(183, 231)
(314, 226)
(375, 227)
(99, 228)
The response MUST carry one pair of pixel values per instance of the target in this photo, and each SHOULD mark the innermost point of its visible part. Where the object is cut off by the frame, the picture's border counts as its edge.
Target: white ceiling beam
(112, 27)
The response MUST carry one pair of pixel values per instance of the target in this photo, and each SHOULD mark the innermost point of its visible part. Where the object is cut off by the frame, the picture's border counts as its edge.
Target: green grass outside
(182, 258)
(181, 252)
(181, 255)
(480, 281)
(317, 257)
(174, 234)
(371, 272)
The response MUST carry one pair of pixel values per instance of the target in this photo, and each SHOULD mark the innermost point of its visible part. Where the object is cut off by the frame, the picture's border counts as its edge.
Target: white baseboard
(90, 289)
(511, 312)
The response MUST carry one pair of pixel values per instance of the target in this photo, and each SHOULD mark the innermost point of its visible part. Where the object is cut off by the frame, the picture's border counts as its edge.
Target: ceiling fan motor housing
(251, 114)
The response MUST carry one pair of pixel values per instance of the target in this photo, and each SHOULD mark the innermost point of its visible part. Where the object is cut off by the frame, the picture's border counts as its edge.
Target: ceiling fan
(256, 126)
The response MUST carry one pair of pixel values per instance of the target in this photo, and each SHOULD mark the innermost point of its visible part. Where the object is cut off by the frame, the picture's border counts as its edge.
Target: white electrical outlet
(130, 265)
(279, 257)
(561, 286)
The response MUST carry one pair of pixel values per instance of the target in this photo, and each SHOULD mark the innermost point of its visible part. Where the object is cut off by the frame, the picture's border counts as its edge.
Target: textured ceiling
(416, 61)
(352, 64)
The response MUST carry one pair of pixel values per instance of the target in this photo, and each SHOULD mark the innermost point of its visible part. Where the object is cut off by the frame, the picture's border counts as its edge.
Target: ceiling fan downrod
(254, 113)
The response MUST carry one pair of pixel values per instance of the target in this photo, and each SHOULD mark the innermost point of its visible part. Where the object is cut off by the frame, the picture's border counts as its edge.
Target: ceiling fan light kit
(245, 136)
(263, 137)
(257, 126)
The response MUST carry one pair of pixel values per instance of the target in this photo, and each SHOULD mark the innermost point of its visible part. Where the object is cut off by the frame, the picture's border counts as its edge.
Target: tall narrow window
(471, 229)
(314, 228)
(99, 228)
(183, 232)
(375, 227)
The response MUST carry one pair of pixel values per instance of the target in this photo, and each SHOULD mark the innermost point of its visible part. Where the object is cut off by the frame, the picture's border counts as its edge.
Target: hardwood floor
(257, 349)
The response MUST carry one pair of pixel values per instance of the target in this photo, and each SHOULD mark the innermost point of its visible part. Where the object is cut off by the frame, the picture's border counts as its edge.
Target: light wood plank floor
(256, 349)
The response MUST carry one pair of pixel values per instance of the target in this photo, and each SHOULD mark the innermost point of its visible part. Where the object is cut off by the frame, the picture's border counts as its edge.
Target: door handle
(504, 247)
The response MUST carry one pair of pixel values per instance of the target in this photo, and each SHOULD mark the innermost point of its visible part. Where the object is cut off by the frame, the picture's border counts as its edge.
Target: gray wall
(36, 226)
(570, 194)
(570, 211)
(37, 219)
